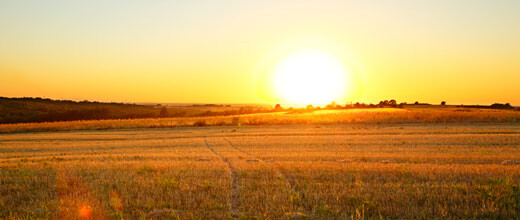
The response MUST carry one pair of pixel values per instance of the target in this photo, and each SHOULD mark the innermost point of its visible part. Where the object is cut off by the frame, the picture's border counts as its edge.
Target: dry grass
(421, 171)
(323, 117)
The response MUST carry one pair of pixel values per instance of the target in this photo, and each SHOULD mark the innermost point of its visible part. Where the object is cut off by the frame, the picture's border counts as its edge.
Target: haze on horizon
(464, 52)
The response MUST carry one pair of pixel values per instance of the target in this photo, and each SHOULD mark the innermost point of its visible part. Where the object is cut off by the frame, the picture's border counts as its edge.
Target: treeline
(382, 104)
(21, 110)
(493, 106)
(390, 104)
(24, 110)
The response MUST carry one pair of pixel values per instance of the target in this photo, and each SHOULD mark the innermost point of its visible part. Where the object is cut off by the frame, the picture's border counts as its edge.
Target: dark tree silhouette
(332, 105)
(278, 107)
(502, 106)
(164, 112)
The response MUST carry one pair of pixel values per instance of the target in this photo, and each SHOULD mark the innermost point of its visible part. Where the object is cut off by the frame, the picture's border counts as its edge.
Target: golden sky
(226, 51)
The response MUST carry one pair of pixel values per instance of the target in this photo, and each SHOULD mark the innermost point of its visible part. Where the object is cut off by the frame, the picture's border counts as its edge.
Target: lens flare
(85, 211)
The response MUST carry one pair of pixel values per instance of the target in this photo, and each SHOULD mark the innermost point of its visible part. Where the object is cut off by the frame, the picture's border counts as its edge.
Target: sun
(310, 77)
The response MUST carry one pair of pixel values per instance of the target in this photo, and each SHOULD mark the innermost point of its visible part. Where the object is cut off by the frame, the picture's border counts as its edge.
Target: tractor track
(234, 204)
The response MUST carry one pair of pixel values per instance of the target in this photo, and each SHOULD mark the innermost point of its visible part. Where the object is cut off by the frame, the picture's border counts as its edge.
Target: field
(345, 171)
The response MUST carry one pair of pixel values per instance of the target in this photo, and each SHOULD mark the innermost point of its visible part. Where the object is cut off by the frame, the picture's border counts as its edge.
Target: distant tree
(278, 108)
(443, 103)
(502, 106)
(416, 102)
(164, 112)
(387, 103)
(310, 107)
(332, 105)
(200, 123)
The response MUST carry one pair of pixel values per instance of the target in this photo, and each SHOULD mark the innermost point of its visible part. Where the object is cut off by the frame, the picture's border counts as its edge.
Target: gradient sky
(225, 51)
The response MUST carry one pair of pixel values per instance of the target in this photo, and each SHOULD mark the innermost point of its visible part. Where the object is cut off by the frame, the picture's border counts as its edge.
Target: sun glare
(310, 77)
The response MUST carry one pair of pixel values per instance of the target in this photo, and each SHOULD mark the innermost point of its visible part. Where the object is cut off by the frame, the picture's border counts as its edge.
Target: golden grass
(325, 117)
(433, 171)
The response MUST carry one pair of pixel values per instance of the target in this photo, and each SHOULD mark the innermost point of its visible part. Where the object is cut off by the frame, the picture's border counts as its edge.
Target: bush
(200, 123)
(164, 112)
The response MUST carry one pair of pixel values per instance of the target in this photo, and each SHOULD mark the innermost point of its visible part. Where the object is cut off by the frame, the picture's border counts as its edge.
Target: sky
(461, 52)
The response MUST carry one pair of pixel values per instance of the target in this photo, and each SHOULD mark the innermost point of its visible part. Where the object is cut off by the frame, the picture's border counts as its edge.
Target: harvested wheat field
(410, 171)
(274, 110)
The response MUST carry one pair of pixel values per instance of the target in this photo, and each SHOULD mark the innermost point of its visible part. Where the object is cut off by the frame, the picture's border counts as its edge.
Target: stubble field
(400, 171)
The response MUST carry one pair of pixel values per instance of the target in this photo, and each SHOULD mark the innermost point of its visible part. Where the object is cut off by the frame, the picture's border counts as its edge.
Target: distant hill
(23, 110)
(19, 110)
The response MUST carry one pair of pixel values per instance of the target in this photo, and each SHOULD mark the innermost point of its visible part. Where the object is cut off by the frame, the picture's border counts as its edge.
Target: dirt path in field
(282, 172)
(234, 205)
(239, 150)
(286, 175)
(76, 199)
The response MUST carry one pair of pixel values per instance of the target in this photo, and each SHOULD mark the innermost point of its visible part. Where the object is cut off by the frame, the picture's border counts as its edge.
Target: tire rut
(286, 175)
(234, 204)
(283, 173)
